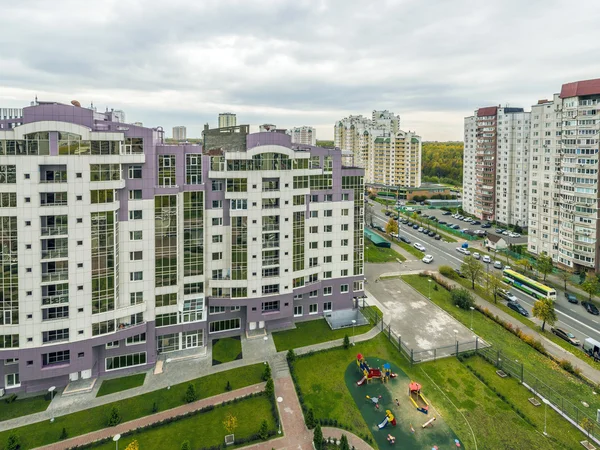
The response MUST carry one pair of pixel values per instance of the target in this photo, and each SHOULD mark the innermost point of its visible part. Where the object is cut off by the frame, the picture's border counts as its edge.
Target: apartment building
(180, 133)
(495, 174)
(563, 193)
(227, 120)
(303, 135)
(118, 247)
(389, 155)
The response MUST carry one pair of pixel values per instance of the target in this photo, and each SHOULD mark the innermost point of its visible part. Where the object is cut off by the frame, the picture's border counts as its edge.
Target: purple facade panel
(258, 139)
(59, 113)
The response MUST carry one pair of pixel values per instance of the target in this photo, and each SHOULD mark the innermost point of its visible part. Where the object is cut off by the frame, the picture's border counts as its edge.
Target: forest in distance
(442, 162)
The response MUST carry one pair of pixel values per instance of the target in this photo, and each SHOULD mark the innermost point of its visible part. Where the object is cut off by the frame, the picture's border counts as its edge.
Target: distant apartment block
(227, 120)
(179, 133)
(303, 135)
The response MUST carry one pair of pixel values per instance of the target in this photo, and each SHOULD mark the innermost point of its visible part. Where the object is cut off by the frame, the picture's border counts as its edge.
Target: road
(571, 317)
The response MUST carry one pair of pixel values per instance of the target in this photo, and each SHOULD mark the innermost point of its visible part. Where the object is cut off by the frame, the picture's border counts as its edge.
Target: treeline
(442, 162)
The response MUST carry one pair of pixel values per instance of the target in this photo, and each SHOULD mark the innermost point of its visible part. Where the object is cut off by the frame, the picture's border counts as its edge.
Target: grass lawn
(513, 348)
(43, 433)
(374, 254)
(312, 332)
(410, 249)
(453, 392)
(226, 349)
(121, 384)
(22, 407)
(204, 430)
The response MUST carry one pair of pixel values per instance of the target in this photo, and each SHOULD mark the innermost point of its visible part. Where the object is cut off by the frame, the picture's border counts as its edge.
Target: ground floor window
(358, 286)
(12, 380)
(298, 311)
(137, 339)
(192, 339)
(167, 343)
(327, 307)
(123, 361)
(179, 341)
(313, 309)
(270, 306)
(224, 325)
(61, 357)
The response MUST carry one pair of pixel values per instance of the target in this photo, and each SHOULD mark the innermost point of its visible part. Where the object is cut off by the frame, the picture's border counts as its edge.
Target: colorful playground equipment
(370, 373)
(374, 400)
(416, 397)
(389, 418)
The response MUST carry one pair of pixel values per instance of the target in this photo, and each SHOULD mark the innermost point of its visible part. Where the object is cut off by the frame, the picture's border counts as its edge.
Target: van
(591, 346)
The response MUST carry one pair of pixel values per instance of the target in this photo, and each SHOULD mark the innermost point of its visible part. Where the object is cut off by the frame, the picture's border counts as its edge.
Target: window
(217, 221)
(137, 339)
(344, 257)
(50, 359)
(314, 214)
(193, 288)
(135, 172)
(113, 344)
(344, 288)
(327, 259)
(136, 276)
(313, 230)
(314, 198)
(327, 307)
(270, 306)
(217, 238)
(237, 185)
(345, 212)
(344, 227)
(217, 185)
(358, 286)
(313, 245)
(135, 235)
(8, 174)
(58, 312)
(239, 203)
(298, 311)
(55, 335)
(123, 361)
(313, 294)
(9, 361)
(344, 242)
(328, 197)
(136, 298)
(217, 256)
(193, 169)
(193, 310)
(165, 299)
(344, 272)
(163, 320)
(270, 289)
(217, 204)
(328, 244)
(166, 170)
(135, 214)
(105, 327)
(270, 272)
(328, 228)
(216, 310)
(8, 200)
(313, 262)
(326, 275)
(345, 197)
(328, 213)
(9, 340)
(327, 290)
(313, 308)
(102, 196)
(12, 380)
(136, 256)
(135, 194)
(224, 325)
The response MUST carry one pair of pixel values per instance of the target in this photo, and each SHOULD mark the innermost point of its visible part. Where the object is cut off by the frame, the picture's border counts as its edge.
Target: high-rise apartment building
(495, 171)
(389, 155)
(303, 135)
(563, 193)
(180, 133)
(118, 247)
(227, 120)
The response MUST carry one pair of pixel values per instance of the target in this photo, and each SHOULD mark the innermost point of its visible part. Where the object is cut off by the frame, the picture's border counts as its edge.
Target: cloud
(302, 62)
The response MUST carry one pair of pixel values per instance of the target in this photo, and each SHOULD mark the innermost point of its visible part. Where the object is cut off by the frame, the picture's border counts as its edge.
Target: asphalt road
(571, 317)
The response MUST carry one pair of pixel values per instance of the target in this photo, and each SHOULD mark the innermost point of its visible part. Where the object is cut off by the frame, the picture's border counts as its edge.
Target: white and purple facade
(117, 247)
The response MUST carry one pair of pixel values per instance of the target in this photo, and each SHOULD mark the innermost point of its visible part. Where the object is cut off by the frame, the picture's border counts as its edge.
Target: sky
(296, 62)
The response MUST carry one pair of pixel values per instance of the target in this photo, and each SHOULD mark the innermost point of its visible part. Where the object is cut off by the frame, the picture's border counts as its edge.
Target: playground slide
(384, 423)
(361, 382)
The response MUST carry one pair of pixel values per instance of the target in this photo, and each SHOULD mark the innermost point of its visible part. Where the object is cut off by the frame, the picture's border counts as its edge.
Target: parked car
(442, 222)
(419, 246)
(486, 259)
(379, 227)
(467, 219)
(506, 232)
(459, 273)
(404, 221)
(420, 229)
(476, 222)
(486, 225)
(418, 211)
(427, 259)
(591, 308)
(388, 213)
(518, 308)
(566, 335)
(498, 265)
(508, 296)
(479, 232)
(500, 230)
(455, 227)
(409, 223)
(431, 233)
(571, 298)
(460, 217)
(446, 213)
(464, 251)
(405, 239)
(437, 237)
(394, 235)
(415, 226)
(514, 235)
(476, 255)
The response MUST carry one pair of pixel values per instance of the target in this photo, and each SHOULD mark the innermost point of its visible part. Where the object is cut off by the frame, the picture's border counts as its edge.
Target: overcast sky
(296, 62)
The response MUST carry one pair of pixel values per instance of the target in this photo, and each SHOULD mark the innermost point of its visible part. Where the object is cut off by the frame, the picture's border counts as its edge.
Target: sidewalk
(555, 350)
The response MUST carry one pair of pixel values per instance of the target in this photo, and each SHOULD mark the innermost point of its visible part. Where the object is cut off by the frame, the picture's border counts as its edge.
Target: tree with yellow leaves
(230, 423)
(133, 446)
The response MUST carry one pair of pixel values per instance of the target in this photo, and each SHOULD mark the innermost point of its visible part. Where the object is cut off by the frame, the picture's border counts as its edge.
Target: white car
(486, 259)
(394, 235)
(467, 219)
(427, 259)
(514, 235)
(464, 251)
(419, 246)
(476, 255)
(506, 233)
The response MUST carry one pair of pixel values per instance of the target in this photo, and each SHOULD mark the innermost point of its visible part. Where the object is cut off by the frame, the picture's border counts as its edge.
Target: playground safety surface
(440, 434)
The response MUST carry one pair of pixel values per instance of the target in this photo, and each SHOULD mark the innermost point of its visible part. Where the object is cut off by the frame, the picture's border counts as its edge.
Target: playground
(395, 407)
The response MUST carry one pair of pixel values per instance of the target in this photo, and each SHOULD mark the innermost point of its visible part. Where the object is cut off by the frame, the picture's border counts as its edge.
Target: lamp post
(545, 404)
(367, 254)
(279, 400)
(472, 309)
(51, 390)
(353, 324)
(429, 284)
(116, 439)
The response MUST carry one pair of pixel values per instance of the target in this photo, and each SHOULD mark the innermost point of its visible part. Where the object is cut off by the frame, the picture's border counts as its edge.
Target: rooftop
(579, 88)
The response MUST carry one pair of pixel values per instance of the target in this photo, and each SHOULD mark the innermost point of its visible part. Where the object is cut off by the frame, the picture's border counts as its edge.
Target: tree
(190, 394)
(564, 276)
(230, 423)
(462, 298)
(270, 388)
(13, 443)
(591, 285)
(291, 355)
(344, 443)
(522, 264)
(346, 341)
(472, 269)
(63, 434)
(391, 227)
(369, 215)
(543, 309)
(133, 445)
(115, 418)
(228, 386)
(310, 419)
(318, 438)
(587, 425)
(267, 372)
(185, 445)
(263, 432)
(544, 265)
(494, 285)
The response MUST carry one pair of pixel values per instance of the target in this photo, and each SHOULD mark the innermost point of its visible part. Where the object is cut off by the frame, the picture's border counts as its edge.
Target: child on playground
(391, 439)
(397, 402)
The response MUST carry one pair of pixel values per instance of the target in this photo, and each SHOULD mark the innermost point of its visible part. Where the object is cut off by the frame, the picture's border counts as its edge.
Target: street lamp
(353, 324)
(367, 254)
(472, 309)
(545, 404)
(279, 400)
(116, 439)
(456, 335)
(51, 390)
(429, 284)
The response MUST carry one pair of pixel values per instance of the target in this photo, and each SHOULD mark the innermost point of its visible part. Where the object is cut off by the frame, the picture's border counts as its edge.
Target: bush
(462, 298)
(310, 419)
(318, 438)
(115, 418)
(63, 434)
(448, 272)
(185, 445)
(344, 443)
(291, 355)
(270, 388)
(263, 432)
(266, 373)
(346, 342)
(190, 394)
(154, 408)
(228, 385)
(13, 442)
(567, 365)
(11, 398)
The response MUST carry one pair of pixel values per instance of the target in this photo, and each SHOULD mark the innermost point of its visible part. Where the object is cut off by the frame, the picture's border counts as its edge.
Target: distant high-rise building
(303, 135)
(179, 133)
(227, 120)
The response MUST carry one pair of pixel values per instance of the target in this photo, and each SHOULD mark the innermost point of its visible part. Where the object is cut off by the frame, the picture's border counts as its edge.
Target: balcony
(53, 199)
(53, 174)
(55, 253)
(55, 299)
(270, 203)
(55, 276)
(55, 230)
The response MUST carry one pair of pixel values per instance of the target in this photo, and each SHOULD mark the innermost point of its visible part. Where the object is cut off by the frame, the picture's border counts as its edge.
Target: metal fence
(558, 402)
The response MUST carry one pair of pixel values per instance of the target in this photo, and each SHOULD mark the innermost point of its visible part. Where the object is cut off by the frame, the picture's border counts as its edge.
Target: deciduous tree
(472, 269)
(391, 227)
(494, 285)
(544, 265)
(230, 423)
(591, 285)
(543, 309)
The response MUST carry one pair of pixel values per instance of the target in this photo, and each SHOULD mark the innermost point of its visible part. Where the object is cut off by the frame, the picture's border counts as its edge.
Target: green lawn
(512, 347)
(454, 393)
(226, 349)
(203, 430)
(410, 249)
(374, 254)
(312, 332)
(22, 407)
(121, 384)
(43, 433)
